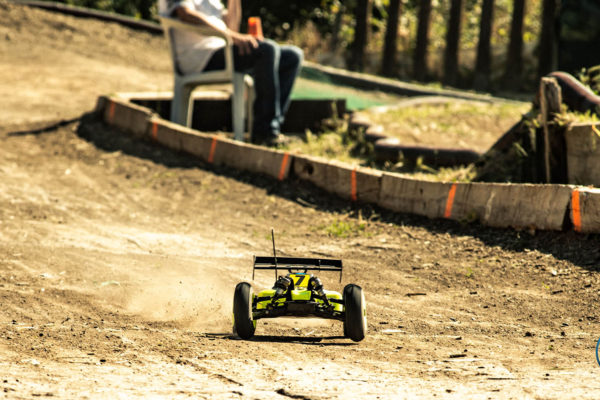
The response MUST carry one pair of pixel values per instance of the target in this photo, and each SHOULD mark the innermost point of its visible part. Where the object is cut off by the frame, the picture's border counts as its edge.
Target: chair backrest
(169, 36)
(170, 24)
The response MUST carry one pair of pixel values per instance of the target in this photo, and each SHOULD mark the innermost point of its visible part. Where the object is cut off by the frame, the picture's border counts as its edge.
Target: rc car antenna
(274, 252)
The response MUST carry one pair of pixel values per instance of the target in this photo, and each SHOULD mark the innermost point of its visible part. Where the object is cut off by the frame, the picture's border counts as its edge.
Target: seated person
(273, 67)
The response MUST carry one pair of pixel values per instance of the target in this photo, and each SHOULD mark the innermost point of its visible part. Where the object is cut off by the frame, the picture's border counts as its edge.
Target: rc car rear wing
(296, 263)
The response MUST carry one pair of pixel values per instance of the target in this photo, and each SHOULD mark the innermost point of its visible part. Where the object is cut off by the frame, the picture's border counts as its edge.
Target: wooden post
(550, 101)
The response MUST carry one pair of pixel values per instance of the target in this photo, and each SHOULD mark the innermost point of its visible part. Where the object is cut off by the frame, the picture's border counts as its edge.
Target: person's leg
(217, 61)
(290, 64)
(263, 63)
(267, 107)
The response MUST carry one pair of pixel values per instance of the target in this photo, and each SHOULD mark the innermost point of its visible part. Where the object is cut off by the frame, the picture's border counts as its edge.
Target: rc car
(298, 294)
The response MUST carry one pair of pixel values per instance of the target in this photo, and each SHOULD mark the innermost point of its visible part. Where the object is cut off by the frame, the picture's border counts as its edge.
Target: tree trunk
(335, 33)
(514, 59)
(420, 57)
(361, 33)
(484, 51)
(548, 38)
(390, 47)
(452, 41)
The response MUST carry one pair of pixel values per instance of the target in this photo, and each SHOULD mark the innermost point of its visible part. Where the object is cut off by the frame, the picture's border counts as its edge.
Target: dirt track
(119, 261)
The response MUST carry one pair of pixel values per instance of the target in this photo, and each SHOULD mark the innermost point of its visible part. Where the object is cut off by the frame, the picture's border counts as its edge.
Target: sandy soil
(119, 260)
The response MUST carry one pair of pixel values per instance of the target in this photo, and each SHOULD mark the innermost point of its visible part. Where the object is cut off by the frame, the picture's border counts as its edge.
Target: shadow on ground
(307, 340)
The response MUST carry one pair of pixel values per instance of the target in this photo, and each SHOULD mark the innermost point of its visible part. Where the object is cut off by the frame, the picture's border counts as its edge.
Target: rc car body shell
(299, 294)
(298, 302)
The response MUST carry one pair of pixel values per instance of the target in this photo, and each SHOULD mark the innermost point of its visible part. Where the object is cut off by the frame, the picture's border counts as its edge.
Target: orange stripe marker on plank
(154, 130)
(595, 130)
(284, 162)
(353, 191)
(576, 210)
(450, 201)
(213, 147)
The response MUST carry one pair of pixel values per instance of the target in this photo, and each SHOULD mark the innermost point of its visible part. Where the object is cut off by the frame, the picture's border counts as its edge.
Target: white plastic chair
(182, 107)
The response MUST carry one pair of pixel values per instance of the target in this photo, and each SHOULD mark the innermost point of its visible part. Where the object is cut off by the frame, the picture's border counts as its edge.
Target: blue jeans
(274, 69)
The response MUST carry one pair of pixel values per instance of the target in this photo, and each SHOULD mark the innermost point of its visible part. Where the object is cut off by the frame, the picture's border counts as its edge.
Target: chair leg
(181, 107)
(188, 104)
(249, 82)
(237, 107)
(176, 104)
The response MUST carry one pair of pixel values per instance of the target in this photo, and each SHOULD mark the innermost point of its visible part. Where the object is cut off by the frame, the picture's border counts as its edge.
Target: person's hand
(245, 43)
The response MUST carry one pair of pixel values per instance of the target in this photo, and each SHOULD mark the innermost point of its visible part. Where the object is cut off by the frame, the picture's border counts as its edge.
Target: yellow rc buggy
(299, 294)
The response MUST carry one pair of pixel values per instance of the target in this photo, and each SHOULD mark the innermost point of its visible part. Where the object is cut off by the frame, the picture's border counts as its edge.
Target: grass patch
(570, 117)
(458, 124)
(469, 273)
(340, 145)
(334, 145)
(591, 78)
(424, 172)
(345, 228)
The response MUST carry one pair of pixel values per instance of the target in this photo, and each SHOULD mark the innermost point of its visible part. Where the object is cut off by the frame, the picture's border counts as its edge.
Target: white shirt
(193, 51)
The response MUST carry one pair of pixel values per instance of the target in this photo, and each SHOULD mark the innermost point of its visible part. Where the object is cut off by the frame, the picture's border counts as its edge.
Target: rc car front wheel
(243, 324)
(355, 325)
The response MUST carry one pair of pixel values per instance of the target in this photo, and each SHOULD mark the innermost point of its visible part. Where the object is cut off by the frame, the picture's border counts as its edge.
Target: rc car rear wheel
(243, 324)
(355, 325)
